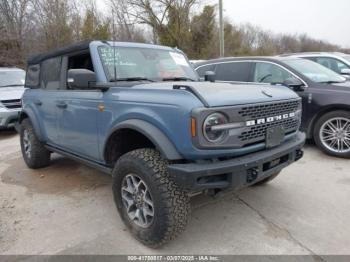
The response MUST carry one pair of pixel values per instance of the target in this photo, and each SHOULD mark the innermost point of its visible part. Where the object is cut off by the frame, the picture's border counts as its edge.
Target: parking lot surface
(68, 208)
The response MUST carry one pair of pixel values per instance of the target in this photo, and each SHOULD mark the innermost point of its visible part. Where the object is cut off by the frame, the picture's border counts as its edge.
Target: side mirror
(209, 76)
(295, 84)
(81, 78)
(345, 71)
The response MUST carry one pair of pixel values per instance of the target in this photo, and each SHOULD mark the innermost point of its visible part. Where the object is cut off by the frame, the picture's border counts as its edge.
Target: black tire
(39, 156)
(267, 180)
(318, 126)
(171, 204)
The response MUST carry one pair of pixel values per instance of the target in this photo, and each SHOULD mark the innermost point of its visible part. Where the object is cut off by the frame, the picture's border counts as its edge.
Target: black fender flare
(25, 114)
(156, 136)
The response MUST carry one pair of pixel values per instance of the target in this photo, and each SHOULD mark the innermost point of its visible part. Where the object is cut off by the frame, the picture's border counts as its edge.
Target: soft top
(81, 46)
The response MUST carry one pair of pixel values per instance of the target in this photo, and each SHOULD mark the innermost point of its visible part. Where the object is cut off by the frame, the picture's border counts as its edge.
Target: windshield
(314, 71)
(145, 63)
(12, 78)
(347, 57)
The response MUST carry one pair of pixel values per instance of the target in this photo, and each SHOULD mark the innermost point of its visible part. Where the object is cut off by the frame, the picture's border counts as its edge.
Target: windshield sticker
(179, 59)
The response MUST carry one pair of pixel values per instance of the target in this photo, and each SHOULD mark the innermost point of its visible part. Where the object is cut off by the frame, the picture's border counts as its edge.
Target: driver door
(78, 113)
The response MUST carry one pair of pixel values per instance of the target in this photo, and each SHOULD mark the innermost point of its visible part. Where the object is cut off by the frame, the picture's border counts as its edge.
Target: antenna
(114, 47)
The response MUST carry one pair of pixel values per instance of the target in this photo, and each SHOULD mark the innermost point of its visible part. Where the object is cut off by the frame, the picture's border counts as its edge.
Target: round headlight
(215, 136)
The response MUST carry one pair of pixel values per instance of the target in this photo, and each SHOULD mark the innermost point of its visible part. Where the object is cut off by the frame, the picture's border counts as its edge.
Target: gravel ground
(67, 208)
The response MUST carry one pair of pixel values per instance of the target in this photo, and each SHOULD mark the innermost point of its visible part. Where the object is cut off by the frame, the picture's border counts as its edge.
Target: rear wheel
(151, 205)
(34, 153)
(332, 133)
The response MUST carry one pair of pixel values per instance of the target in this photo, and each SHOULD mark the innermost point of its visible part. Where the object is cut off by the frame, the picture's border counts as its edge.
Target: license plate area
(274, 136)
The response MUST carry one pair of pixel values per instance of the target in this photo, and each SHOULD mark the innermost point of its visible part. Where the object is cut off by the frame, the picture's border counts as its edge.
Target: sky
(327, 20)
(322, 19)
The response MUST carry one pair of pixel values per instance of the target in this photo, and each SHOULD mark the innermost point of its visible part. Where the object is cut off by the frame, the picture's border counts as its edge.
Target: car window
(332, 63)
(270, 73)
(154, 64)
(235, 71)
(201, 70)
(12, 78)
(33, 76)
(314, 71)
(51, 73)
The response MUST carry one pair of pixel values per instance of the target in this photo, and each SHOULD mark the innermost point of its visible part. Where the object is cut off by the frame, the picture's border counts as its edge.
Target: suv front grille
(269, 109)
(257, 133)
(12, 104)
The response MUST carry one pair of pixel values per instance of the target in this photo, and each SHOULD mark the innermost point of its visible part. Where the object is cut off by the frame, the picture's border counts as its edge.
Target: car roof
(306, 54)
(252, 58)
(83, 46)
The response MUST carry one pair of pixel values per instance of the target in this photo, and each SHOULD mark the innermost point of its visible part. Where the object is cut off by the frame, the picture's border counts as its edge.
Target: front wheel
(332, 133)
(151, 205)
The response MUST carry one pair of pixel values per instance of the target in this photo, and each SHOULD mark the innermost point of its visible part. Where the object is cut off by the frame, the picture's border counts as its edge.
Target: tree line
(32, 26)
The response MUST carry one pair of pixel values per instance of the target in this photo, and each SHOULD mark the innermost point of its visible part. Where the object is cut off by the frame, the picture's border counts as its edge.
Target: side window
(51, 73)
(332, 63)
(32, 76)
(79, 61)
(235, 71)
(270, 73)
(201, 71)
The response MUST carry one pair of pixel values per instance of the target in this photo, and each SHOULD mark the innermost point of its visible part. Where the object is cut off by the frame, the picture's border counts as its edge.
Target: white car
(337, 62)
(11, 91)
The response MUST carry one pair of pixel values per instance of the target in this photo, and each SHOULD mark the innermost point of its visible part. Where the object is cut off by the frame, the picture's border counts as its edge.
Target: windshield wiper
(11, 85)
(333, 82)
(131, 79)
(178, 79)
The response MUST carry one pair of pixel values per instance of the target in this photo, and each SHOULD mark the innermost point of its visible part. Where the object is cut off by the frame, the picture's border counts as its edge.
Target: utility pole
(221, 33)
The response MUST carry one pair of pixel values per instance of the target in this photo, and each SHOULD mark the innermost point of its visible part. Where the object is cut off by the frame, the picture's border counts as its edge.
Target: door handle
(38, 102)
(62, 105)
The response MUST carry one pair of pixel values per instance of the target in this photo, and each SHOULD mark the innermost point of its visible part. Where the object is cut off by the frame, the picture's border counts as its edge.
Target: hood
(9, 93)
(225, 94)
(345, 84)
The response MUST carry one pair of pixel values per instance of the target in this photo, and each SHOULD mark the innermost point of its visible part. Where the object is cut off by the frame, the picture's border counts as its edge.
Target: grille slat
(257, 133)
(12, 104)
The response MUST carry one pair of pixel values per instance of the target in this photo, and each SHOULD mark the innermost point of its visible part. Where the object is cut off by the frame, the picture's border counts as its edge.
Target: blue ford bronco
(140, 113)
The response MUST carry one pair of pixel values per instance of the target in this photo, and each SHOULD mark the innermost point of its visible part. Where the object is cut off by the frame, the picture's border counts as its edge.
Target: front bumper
(8, 118)
(238, 172)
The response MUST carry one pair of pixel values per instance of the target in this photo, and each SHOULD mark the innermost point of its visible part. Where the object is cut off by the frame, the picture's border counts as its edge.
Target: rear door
(44, 99)
(238, 71)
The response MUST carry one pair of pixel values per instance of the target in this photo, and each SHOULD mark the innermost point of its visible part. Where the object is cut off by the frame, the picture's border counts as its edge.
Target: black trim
(87, 162)
(235, 172)
(193, 91)
(81, 46)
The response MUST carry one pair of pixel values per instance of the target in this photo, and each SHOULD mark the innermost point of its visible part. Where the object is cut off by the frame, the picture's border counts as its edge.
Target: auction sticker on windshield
(179, 59)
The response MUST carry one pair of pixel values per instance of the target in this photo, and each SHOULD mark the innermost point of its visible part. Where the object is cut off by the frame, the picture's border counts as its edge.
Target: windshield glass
(347, 57)
(314, 71)
(152, 64)
(12, 78)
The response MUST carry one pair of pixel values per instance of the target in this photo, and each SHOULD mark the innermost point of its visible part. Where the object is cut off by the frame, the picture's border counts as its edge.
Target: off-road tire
(267, 180)
(319, 124)
(171, 204)
(40, 156)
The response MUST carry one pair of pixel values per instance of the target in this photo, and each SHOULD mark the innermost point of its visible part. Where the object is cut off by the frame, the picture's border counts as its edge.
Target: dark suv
(325, 94)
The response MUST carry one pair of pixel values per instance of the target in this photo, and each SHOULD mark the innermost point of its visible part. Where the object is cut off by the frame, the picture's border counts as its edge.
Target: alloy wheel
(27, 144)
(335, 135)
(137, 200)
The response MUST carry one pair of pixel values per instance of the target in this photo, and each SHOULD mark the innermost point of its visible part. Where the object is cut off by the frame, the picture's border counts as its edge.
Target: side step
(84, 161)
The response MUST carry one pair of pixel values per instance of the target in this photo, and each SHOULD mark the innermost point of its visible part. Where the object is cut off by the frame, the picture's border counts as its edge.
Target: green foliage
(92, 28)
